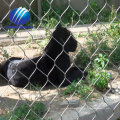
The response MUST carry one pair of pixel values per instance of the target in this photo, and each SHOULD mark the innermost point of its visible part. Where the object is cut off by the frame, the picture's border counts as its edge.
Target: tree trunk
(39, 9)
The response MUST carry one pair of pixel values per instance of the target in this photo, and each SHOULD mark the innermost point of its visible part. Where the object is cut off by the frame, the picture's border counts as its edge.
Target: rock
(112, 73)
(71, 103)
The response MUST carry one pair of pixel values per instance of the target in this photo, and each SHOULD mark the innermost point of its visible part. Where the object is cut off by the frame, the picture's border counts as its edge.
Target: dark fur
(52, 66)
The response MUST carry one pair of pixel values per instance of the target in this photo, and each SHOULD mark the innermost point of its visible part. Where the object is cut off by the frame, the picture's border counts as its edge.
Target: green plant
(107, 41)
(95, 40)
(112, 14)
(82, 59)
(3, 118)
(31, 112)
(115, 57)
(70, 16)
(113, 34)
(114, 31)
(4, 53)
(34, 88)
(100, 61)
(49, 21)
(99, 78)
(29, 40)
(11, 32)
(43, 42)
(70, 89)
(81, 89)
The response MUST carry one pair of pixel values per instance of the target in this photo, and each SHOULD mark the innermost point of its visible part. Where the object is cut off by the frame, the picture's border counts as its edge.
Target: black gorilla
(53, 66)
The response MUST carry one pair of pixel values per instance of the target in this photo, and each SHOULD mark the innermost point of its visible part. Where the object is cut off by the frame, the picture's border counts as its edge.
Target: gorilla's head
(65, 38)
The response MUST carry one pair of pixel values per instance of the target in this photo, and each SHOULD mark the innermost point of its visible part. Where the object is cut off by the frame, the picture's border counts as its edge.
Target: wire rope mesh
(63, 63)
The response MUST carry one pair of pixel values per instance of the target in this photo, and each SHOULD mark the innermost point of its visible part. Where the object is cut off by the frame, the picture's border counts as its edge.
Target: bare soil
(11, 97)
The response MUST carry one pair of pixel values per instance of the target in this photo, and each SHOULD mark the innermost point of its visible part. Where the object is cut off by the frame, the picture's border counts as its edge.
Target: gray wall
(81, 4)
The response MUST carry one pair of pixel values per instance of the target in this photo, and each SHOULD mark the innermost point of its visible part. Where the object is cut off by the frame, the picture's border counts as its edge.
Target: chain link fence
(64, 63)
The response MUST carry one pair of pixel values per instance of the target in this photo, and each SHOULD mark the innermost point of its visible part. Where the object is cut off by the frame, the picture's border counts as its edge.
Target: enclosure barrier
(83, 82)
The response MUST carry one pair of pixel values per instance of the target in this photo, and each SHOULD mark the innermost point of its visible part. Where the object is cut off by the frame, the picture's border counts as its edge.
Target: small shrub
(3, 118)
(112, 14)
(82, 59)
(70, 89)
(104, 41)
(70, 16)
(100, 61)
(99, 78)
(11, 32)
(50, 17)
(43, 42)
(115, 57)
(81, 89)
(34, 88)
(4, 53)
(107, 41)
(95, 41)
(29, 40)
(33, 112)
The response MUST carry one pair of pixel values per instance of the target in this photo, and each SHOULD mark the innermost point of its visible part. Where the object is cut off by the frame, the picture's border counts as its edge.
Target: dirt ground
(12, 96)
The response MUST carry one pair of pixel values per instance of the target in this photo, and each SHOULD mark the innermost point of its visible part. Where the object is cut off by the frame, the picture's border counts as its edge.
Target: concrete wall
(81, 4)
